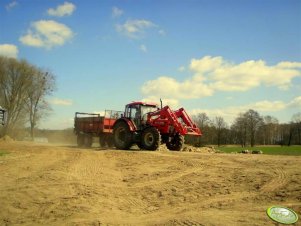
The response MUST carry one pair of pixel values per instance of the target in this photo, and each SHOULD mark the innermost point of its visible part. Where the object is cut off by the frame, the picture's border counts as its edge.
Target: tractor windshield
(147, 109)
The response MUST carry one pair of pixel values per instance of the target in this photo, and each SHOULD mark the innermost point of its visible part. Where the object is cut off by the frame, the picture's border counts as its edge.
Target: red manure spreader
(143, 124)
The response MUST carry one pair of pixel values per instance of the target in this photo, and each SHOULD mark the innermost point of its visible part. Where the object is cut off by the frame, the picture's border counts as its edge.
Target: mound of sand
(199, 149)
(188, 148)
(6, 139)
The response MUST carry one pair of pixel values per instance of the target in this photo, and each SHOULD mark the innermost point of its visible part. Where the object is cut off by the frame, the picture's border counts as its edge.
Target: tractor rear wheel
(176, 143)
(150, 138)
(122, 136)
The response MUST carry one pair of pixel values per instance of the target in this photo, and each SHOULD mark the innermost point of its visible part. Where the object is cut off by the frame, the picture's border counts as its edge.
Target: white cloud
(134, 28)
(181, 68)
(167, 87)
(143, 48)
(212, 74)
(295, 103)
(264, 107)
(227, 76)
(62, 102)
(173, 103)
(116, 12)
(205, 64)
(47, 34)
(11, 5)
(287, 64)
(9, 50)
(65, 9)
(162, 32)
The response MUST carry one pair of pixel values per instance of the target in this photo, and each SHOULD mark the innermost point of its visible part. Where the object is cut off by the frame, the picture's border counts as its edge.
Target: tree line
(249, 129)
(23, 91)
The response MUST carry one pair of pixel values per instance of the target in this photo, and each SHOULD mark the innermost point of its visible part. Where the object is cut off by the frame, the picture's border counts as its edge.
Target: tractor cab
(137, 112)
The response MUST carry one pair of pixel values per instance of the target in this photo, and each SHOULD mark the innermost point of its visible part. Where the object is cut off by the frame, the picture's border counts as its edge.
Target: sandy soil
(57, 185)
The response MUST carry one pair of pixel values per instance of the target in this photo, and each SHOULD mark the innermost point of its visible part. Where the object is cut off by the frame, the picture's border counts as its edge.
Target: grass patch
(269, 150)
(3, 152)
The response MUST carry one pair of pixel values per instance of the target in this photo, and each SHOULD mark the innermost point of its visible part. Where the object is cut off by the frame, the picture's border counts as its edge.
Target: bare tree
(220, 126)
(240, 127)
(23, 89)
(270, 130)
(14, 81)
(202, 120)
(254, 122)
(296, 120)
(42, 84)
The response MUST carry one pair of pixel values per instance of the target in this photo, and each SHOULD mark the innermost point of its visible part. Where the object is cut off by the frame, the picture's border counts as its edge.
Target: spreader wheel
(88, 141)
(80, 140)
(102, 140)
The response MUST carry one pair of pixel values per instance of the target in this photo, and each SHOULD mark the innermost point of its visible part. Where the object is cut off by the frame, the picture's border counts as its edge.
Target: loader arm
(190, 125)
(166, 118)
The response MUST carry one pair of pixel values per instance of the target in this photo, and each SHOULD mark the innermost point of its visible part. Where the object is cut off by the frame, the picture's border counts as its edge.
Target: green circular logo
(282, 215)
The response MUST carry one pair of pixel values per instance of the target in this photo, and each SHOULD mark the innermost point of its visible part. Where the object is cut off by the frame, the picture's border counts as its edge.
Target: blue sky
(218, 57)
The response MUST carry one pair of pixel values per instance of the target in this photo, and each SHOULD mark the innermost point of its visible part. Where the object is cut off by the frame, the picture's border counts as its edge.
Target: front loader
(148, 126)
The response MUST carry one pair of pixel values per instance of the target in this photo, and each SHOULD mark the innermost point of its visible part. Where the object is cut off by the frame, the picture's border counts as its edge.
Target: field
(65, 185)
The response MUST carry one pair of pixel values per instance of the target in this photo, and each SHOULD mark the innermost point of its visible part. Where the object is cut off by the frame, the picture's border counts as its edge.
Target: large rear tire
(122, 136)
(150, 139)
(176, 143)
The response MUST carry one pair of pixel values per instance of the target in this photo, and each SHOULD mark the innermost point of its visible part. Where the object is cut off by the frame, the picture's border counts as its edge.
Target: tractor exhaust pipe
(161, 103)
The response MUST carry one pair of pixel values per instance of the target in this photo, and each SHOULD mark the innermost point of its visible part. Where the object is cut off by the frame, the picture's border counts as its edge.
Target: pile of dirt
(199, 149)
(6, 139)
(163, 148)
(188, 148)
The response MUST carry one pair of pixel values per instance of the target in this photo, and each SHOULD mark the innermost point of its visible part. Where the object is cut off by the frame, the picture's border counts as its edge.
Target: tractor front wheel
(122, 136)
(176, 143)
(150, 139)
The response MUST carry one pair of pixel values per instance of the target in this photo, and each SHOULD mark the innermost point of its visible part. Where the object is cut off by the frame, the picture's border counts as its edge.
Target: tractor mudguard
(131, 125)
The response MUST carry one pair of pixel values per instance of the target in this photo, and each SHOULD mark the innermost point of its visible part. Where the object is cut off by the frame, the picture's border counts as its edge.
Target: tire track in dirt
(164, 180)
(179, 167)
(279, 180)
(67, 186)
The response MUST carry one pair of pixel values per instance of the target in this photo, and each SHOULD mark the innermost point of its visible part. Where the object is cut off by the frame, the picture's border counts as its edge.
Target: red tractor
(148, 126)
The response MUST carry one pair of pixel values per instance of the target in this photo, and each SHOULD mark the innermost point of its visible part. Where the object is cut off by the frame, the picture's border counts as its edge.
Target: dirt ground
(65, 185)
